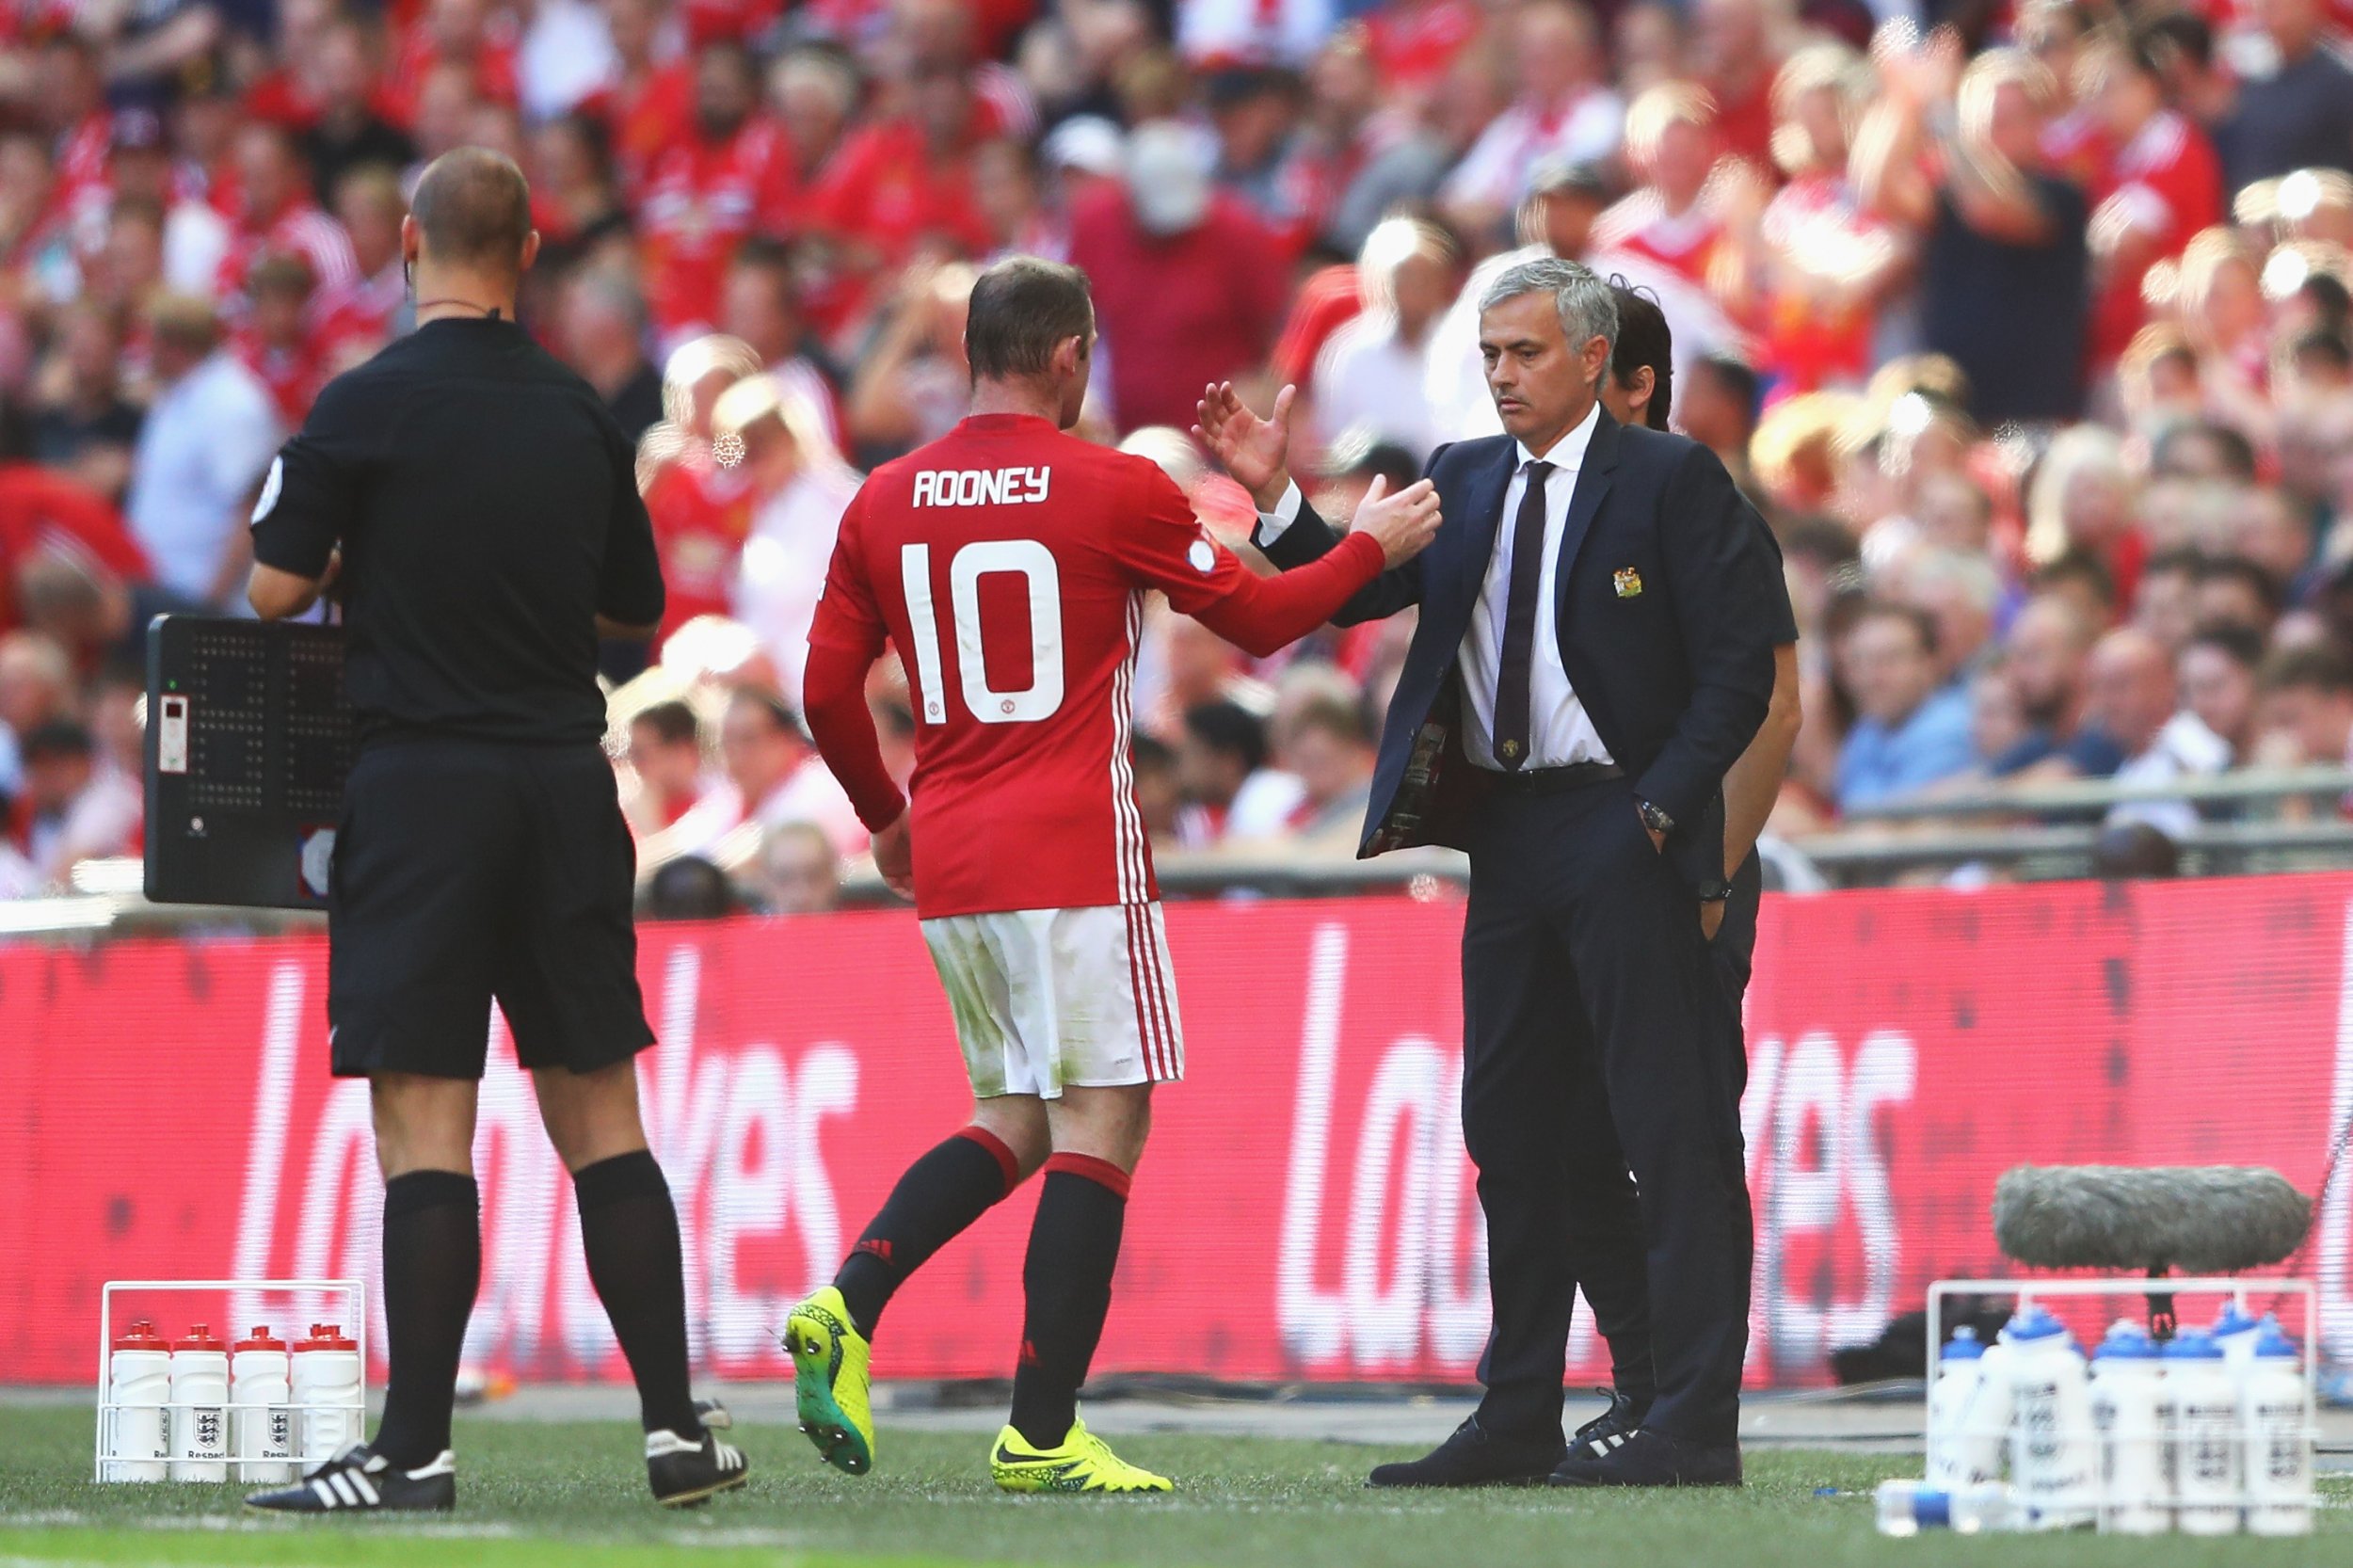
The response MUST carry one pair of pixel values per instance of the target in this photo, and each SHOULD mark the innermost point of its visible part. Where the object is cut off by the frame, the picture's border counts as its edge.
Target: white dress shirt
(1560, 731)
(208, 438)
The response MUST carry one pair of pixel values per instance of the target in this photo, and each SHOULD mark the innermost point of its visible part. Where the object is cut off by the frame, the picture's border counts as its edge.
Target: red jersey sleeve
(1160, 544)
(1162, 547)
(847, 617)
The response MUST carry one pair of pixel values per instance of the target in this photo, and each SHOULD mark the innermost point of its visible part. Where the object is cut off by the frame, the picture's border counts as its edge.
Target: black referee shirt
(487, 509)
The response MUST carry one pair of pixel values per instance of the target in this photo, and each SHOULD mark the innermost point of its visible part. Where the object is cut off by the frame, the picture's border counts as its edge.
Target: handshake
(1257, 453)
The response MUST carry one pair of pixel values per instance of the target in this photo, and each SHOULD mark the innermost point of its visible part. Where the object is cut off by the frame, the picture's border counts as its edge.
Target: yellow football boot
(1082, 1463)
(830, 1385)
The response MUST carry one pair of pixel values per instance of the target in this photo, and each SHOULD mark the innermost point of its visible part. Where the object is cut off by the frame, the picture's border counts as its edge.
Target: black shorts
(467, 870)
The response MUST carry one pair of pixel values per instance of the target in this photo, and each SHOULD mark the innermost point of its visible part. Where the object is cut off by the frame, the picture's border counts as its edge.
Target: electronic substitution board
(249, 737)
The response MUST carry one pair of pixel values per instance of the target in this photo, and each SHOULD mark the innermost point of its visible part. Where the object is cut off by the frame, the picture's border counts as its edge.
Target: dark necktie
(1519, 621)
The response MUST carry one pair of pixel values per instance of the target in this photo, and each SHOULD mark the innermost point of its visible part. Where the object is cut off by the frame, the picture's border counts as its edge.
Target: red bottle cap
(200, 1338)
(142, 1337)
(326, 1336)
(259, 1340)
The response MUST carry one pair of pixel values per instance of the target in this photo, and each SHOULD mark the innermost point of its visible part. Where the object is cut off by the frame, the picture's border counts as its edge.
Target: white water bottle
(326, 1393)
(2125, 1378)
(2278, 1447)
(1959, 1372)
(1984, 1420)
(261, 1427)
(2202, 1400)
(2235, 1332)
(138, 1386)
(1908, 1507)
(2054, 1450)
(199, 1400)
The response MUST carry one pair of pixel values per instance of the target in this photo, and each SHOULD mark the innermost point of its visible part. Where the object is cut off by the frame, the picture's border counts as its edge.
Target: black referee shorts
(467, 870)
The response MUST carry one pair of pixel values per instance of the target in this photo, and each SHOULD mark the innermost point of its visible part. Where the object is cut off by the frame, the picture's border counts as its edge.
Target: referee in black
(473, 503)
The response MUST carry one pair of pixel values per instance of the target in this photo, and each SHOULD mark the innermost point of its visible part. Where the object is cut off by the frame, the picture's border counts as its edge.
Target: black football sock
(935, 1201)
(432, 1267)
(1074, 1246)
(629, 1231)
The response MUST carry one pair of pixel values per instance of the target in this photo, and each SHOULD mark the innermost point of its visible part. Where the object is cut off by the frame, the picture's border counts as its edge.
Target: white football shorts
(1045, 997)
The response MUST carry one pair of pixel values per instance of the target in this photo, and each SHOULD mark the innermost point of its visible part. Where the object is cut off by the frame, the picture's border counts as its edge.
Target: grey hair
(1588, 307)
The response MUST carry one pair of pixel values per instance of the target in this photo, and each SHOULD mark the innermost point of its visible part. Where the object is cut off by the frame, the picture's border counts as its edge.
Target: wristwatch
(1716, 892)
(1656, 819)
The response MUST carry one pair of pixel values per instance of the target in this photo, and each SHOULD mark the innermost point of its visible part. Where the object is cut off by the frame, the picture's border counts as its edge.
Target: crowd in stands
(2025, 322)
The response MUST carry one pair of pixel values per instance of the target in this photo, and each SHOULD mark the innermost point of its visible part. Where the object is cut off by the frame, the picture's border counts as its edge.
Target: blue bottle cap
(2034, 1325)
(2127, 1342)
(1963, 1345)
(2233, 1321)
(2272, 1343)
(2192, 1345)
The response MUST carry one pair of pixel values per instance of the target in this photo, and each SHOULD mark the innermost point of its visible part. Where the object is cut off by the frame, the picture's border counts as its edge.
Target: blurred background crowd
(2025, 321)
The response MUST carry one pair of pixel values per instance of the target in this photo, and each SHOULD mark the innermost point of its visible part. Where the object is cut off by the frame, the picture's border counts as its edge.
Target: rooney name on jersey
(981, 486)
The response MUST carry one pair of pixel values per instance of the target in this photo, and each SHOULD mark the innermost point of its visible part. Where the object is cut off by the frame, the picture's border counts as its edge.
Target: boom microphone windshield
(2200, 1219)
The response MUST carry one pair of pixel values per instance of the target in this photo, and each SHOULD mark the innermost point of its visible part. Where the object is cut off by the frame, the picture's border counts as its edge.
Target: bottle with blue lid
(2235, 1331)
(1952, 1459)
(2126, 1370)
(2053, 1450)
(2203, 1422)
(2278, 1455)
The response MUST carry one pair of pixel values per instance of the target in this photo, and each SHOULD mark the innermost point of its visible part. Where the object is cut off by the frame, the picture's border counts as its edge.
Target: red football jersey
(1008, 563)
(699, 202)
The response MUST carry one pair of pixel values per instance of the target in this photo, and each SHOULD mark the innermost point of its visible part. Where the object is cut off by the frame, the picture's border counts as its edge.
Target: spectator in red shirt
(73, 108)
(277, 215)
(358, 319)
(650, 103)
(665, 752)
(734, 176)
(464, 33)
(1670, 143)
(293, 90)
(763, 308)
(813, 90)
(351, 129)
(700, 506)
(1737, 55)
(1185, 292)
(907, 179)
(274, 340)
(2159, 187)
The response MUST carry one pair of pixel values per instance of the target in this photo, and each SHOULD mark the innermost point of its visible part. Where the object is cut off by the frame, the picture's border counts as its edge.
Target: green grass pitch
(533, 1494)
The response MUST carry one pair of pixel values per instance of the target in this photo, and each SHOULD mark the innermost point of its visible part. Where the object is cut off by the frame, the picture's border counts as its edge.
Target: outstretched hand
(1404, 523)
(1257, 452)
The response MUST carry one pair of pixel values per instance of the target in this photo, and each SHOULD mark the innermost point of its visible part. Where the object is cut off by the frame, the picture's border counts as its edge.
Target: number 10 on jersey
(1024, 558)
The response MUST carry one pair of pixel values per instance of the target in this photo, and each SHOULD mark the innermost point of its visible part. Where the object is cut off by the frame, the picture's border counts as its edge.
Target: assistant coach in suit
(1596, 649)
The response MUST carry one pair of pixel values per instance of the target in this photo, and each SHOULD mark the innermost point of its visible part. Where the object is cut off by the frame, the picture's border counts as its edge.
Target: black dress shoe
(1613, 1426)
(1475, 1456)
(1650, 1458)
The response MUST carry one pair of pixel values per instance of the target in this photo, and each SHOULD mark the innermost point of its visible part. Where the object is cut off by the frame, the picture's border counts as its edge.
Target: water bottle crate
(304, 1395)
(2200, 1432)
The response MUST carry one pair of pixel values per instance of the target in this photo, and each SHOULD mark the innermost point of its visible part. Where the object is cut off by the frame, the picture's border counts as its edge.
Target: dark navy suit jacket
(1670, 603)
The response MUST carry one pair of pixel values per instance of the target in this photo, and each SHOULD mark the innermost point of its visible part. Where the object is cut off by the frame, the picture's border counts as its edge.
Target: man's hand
(1254, 451)
(1712, 920)
(1404, 523)
(894, 857)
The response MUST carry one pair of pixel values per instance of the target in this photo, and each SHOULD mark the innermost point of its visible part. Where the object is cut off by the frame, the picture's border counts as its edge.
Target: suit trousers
(1601, 1107)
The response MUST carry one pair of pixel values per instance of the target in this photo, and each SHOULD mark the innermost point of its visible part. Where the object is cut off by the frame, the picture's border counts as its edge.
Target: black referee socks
(935, 1202)
(629, 1230)
(432, 1267)
(1074, 1246)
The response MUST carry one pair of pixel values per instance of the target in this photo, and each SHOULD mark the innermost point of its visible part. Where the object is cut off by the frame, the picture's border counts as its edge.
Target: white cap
(1088, 143)
(1166, 178)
